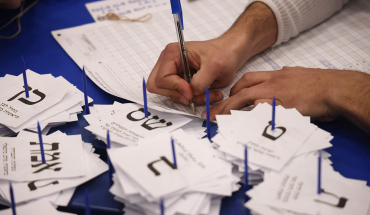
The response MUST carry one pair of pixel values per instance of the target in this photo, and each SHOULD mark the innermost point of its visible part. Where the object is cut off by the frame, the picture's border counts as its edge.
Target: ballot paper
(44, 92)
(22, 161)
(150, 164)
(145, 173)
(267, 148)
(116, 55)
(52, 102)
(127, 8)
(127, 124)
(38, 207)
(61, 188)
(295, 189)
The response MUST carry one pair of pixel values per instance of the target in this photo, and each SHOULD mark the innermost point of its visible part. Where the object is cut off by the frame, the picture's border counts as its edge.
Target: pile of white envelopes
(69, 162)
(52, 101)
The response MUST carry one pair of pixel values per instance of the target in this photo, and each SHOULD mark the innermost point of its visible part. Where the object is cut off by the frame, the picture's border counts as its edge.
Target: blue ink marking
(272, 63)
(327, 64)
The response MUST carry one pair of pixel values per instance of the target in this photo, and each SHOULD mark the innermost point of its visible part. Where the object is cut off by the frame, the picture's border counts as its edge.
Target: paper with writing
(22, 158)
(45, 92)
(129, 125)
(128, 8)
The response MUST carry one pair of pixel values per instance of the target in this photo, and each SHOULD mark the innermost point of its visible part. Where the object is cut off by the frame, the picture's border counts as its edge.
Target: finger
(174, 95)
(246, 96)
(151, 86)
(167, 76)
(269, 101)
(206, 75)
(251, 79)
(214, 96)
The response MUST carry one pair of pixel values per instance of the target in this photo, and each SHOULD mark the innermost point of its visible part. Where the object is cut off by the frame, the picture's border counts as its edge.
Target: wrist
(349, 97)
(253, 32)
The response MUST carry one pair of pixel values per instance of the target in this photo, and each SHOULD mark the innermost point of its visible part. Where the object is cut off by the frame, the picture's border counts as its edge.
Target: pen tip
(193, 108)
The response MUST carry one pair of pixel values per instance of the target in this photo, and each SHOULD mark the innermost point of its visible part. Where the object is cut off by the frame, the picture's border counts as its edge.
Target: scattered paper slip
(128, 8)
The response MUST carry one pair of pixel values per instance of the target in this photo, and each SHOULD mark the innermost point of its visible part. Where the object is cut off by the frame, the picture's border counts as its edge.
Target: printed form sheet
(117, 55)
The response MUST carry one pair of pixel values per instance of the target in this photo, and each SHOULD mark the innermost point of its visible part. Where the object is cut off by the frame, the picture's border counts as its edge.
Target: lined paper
(118, 55)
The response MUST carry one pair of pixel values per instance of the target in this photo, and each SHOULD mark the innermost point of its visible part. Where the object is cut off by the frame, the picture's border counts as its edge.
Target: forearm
(295, 16)
(254, 31)
(351, 99)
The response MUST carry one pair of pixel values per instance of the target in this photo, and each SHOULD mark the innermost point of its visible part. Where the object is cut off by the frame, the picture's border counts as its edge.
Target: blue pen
(87, 203)
(179, 24)
(12, 198)
(145, 99)
(246, 168)
(173, 153)
(84, 83)
(25, 77)
(162, 206)
(108, 161)
(41, 144)
(319, 174)
(273, 114)
(208, 115)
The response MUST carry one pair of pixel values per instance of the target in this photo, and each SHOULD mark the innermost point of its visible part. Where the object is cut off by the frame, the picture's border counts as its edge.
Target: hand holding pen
(214, 61)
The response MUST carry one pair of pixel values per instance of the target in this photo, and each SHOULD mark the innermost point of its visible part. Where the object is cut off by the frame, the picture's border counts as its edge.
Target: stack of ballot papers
(283, 163)
(37, 207)
(294, 191)
(52, 101)
(147, 173)
(69, 163)
(127, 123)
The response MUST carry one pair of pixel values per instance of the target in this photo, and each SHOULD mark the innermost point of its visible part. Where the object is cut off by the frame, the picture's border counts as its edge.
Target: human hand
(215, 61)
(322, 94)
(10, 4)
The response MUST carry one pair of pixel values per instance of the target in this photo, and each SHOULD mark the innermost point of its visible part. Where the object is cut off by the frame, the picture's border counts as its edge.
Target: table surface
(42, 54)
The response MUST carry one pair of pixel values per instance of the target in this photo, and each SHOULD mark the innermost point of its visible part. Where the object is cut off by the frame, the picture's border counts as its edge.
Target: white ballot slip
(128, 125)
(150, 164)
(295, 189)
(44, 92)
(22, 161)
(60, 105)
(25, 191)
(38, 207)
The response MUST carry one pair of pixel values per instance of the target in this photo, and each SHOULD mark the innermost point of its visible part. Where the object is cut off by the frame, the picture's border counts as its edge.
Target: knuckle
(169, 48)
(218, 63)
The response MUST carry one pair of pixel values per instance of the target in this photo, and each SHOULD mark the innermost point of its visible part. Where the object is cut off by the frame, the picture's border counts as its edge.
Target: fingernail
(186, 95)
(184, 101)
